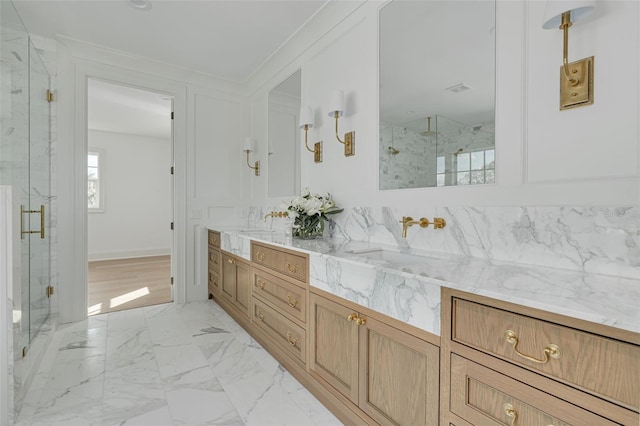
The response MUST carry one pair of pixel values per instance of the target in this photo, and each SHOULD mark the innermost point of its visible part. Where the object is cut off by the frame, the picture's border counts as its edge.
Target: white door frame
(71, 180)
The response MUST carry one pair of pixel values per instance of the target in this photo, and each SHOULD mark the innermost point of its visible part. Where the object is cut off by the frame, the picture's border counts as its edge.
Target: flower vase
(308, 227)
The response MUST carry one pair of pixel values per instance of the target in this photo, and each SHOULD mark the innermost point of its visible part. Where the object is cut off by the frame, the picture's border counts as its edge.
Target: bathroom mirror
(437, 93)
(284, 138)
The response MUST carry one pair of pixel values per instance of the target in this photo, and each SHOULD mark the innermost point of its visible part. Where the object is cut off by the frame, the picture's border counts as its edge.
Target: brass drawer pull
(292, 304)
(550, 350)
(259, 315)
(260, 283)
(260, 255)
(292, 268)
(291, 341)
(231, 261)
(352, 317)
(511, 412)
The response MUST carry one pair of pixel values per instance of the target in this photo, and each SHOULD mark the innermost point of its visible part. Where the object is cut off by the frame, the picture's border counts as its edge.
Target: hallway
(164, 365)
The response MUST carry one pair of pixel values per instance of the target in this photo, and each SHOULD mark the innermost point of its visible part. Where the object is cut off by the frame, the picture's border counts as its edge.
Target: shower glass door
(39, 193)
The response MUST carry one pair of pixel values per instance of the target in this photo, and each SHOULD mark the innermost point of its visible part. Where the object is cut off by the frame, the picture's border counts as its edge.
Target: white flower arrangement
(309, 212)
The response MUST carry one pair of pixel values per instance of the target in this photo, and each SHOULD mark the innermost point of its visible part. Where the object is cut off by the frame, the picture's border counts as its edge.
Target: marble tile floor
(163, 365)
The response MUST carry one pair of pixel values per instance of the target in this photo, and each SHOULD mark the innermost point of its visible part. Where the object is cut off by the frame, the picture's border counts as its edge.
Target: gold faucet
(275, 214)
(407, 221)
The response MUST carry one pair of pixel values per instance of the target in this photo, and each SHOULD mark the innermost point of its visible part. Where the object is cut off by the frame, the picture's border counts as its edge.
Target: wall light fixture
(306, 122)
(336, 109)
(248, 147)
(576, 78)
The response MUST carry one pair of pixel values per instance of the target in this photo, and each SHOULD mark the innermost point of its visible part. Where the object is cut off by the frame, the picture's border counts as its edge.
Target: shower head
(429, 132)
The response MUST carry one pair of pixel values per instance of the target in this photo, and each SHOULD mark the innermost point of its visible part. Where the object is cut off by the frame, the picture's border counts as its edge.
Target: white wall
(586, 156)
(137, 189)
(211, 119)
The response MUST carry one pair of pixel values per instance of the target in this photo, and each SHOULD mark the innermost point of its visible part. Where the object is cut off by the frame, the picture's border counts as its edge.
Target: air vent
(458, 88)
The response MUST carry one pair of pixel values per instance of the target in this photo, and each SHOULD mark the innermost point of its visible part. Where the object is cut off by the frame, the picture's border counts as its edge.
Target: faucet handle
(406, 219)
(424, 222)
(439, 223)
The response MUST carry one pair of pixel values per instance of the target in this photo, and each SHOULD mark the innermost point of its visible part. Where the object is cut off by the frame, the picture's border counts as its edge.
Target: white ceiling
(115, 108)
(228, 39)
(429, 46)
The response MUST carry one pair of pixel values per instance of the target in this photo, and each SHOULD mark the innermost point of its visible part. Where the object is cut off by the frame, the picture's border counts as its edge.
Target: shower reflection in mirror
(437, 112)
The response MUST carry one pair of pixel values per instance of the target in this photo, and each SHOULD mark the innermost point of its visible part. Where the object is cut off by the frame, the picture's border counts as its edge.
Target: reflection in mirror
(284, 138)
(437, 93)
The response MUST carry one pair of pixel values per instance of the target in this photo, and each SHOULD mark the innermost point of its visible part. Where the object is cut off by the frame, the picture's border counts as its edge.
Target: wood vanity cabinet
(508, 364)
(280, 297)
(214, 264)
(389, 374)
(236, 282)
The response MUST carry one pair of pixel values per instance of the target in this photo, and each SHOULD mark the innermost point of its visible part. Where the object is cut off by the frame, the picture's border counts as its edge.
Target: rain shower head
(429, 132)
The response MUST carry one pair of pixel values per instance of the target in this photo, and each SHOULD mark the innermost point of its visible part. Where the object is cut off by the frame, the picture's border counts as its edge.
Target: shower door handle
(23, 212)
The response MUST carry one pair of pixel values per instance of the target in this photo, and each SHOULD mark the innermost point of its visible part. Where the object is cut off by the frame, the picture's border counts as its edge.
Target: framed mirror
(284, 138)
(437, 93)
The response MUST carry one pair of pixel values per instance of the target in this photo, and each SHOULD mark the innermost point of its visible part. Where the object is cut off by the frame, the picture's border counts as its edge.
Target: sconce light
(576, 78)
(306, 122)
(248, 147)
(336, 109)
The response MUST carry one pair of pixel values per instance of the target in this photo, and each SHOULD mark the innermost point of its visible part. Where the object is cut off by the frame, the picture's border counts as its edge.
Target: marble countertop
(407, 286)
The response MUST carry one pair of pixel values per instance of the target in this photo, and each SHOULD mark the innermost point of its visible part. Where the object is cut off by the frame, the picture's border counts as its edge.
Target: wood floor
(115, 285)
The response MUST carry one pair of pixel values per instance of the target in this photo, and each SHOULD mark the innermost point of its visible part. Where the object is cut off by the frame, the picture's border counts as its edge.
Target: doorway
(129, 197)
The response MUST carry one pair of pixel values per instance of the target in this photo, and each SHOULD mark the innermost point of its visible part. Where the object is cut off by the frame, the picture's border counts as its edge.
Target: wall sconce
(336, 109)
(248, 147)
(576, 78)
(306, 122)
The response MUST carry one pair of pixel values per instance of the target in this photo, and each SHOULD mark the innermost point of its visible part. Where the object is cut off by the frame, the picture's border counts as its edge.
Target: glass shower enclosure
(25, 171)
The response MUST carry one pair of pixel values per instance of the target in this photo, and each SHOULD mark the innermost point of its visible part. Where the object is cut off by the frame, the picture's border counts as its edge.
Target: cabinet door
(243, 286)
(334, 345)
(398, 376)
(228, 277)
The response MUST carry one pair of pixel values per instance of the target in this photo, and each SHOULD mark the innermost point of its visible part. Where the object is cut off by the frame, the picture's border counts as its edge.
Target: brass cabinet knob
(260, 255)
(260, 283)
(292, 268)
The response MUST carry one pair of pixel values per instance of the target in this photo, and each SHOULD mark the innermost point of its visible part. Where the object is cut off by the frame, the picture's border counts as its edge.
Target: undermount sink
(390, 256)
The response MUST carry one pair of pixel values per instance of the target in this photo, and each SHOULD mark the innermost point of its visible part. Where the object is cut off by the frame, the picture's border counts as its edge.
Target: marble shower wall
(601, 240)
(408, 158)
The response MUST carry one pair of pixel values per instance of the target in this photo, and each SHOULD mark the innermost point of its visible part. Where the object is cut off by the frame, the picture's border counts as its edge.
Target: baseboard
(127, 254)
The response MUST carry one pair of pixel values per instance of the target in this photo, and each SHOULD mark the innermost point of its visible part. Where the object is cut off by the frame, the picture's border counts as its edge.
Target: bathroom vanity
(387, 337)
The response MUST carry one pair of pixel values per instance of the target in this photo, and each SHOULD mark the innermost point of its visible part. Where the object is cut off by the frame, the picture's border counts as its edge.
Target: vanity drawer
(214, 239)
(214, 258)
(285, 262)
(485, 397)
(288, 298)
(214, 282)
(291, 337)
(606, 367)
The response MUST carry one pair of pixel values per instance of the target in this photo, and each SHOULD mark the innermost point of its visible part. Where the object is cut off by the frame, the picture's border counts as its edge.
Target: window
(476, 167)
(95, 178)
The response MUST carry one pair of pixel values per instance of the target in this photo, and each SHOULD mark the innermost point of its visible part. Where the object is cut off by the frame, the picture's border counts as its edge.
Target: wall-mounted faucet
(275, 214)
(407, 221)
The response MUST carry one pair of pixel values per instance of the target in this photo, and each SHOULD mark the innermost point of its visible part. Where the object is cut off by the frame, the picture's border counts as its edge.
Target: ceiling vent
(458, 88)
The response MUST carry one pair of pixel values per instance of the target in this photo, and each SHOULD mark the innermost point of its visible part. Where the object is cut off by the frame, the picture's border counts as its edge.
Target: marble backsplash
(601, 240)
